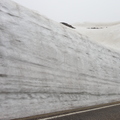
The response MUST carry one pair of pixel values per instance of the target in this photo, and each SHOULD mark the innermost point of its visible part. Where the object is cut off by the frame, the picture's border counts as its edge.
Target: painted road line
(58, 116)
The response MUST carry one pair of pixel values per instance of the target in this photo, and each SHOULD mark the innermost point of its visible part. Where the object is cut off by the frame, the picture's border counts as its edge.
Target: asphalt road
(103, 113)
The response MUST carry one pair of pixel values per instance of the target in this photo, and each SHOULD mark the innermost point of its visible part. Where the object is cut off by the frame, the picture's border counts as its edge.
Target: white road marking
(58, 116)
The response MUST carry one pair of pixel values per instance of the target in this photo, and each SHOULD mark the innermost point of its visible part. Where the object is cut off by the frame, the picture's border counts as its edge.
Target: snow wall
(47, 67)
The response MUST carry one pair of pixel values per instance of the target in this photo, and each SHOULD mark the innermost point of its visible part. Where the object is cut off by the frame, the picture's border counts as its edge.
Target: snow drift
(106, 34)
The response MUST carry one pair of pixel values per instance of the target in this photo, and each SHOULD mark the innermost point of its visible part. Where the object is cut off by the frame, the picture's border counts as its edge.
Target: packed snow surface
(107, 34)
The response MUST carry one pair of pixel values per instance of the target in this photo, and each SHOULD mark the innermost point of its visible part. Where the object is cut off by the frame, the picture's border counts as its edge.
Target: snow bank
(47, 67)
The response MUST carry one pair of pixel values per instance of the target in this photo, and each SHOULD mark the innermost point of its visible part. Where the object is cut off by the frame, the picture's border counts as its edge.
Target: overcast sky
(73, 11)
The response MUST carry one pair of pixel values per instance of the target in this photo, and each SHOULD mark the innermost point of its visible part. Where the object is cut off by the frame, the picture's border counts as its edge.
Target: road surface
(111, 112)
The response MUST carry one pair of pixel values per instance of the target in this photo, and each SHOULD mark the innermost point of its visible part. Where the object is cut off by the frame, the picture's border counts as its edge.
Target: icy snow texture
(47, 67)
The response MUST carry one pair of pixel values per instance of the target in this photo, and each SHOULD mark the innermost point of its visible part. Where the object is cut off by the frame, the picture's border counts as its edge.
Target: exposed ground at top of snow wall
(47, 67)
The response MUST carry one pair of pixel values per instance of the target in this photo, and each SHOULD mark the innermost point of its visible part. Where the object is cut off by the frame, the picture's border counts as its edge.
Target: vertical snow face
(47, 67)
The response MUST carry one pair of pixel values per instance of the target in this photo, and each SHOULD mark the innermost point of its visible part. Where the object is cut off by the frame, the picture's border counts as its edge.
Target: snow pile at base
(107, 34)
